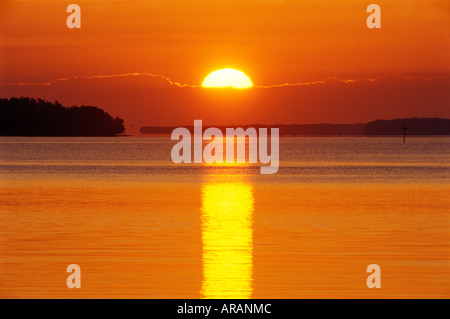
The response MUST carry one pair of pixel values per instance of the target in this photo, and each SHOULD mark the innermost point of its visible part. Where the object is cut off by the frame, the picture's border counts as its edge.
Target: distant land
(31, 117)
(414, 126)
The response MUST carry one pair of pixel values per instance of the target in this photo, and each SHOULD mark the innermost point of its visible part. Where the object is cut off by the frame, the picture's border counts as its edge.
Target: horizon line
(322, 123)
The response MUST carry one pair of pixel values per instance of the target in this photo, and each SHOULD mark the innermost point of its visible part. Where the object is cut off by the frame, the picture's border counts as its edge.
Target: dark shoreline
(413, 126)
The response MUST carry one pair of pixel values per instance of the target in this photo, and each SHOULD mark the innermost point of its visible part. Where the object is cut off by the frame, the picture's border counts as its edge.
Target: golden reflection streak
(227, 237)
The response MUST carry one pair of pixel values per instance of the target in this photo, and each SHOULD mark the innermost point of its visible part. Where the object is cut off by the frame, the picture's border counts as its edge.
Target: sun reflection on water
(227, 237)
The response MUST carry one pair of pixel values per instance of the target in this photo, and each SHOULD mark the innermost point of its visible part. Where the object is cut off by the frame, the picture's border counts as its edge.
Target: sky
(312, 61)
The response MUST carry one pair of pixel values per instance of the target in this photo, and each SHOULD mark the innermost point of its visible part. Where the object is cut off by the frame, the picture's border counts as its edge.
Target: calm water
(140, 226)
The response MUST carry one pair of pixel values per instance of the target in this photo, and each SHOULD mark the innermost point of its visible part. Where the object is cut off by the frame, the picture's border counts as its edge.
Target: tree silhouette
(31, 117)
(415, 126)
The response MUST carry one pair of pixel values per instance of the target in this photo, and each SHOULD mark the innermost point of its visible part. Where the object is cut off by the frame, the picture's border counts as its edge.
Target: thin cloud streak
(181, 85)
(328, 79)
(76, 77)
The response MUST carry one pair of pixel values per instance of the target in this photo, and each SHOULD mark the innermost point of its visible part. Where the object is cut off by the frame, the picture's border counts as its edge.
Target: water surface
(142, 227)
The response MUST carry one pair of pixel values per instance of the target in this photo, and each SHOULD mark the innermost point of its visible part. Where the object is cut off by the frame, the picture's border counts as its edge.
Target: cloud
(95, 77)
(178, 84)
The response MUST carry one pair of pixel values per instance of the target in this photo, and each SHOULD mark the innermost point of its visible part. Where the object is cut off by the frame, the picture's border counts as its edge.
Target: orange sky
(272, 41)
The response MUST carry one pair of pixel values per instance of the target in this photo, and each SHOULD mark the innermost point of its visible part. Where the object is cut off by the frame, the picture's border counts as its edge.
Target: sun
(227, 78)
